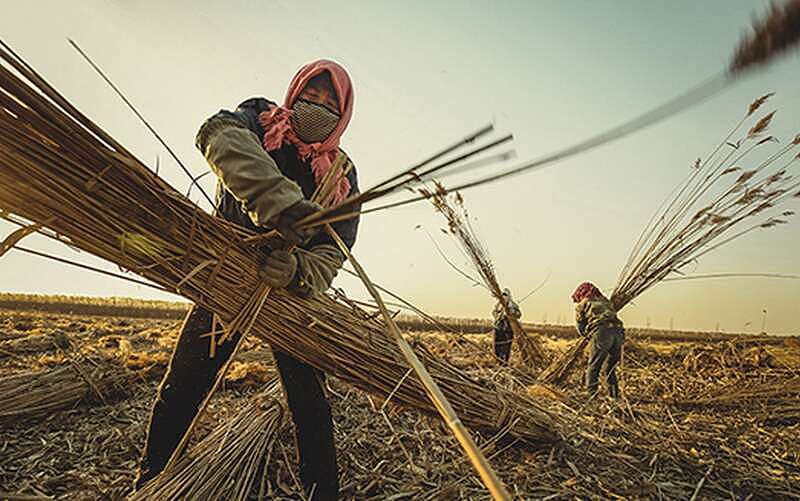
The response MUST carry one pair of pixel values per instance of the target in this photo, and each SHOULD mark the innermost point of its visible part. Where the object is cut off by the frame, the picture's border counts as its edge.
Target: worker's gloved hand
(316, 269)
(279, 268)
(285, 221)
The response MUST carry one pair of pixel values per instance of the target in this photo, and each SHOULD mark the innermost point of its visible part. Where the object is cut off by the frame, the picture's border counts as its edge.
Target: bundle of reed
(78, 380)
(34, 344)
(59, 169)
(728, 356)
(458, 224)
(225, 464)
(719, 202)
(769, 394)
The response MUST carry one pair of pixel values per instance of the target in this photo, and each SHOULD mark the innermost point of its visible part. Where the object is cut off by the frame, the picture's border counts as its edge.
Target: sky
(425, 74)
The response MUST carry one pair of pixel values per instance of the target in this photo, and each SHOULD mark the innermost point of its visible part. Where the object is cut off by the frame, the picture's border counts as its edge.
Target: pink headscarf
(278, 125)
(585, 290)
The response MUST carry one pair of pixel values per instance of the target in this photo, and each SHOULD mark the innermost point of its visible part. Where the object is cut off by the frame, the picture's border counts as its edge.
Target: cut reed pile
(227, 462)
(459, 226)
(776, 397)
(707, 360)
(720, 201)
(59, 169)
(737, 451)
(78, 380)
(33, 344)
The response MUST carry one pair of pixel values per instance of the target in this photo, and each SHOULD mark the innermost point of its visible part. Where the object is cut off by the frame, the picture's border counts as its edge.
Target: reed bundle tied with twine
(725, 196)
(227, 462)
(79, 379)
(59, 169)
(458, 224)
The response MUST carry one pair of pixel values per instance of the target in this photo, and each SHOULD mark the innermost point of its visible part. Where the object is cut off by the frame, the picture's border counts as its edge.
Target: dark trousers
(604, 355)
(503, 337)
(188, 380)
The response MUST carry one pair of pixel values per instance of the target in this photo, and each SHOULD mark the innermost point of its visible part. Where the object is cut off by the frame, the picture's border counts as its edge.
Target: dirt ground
(719, 419)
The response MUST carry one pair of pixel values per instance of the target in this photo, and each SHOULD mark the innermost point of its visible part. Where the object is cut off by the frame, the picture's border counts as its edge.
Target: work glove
(279, 268)
(284, 222)
(316, 270)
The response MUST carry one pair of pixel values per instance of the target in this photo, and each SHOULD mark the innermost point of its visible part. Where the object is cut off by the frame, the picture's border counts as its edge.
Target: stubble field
(708, 415)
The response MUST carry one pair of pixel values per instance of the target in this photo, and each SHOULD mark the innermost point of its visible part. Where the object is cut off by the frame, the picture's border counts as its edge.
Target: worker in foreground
(503, 333)
(595, 316)
(269, 160)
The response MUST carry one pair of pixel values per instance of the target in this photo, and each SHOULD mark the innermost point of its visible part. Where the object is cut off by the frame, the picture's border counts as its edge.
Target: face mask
(312, 122)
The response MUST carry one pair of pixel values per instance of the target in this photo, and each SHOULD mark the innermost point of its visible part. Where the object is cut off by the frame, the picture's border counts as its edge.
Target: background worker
(595, 316)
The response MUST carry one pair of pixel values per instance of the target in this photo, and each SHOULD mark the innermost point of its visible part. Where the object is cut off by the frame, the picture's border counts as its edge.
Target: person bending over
(595, 316)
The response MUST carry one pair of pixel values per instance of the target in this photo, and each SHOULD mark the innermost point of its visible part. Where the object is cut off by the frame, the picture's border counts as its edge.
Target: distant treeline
(481, 326)
(143, 308)
(95, 306)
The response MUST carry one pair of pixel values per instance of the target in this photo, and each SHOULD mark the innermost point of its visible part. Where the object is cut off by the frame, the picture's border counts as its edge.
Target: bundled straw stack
(225, 464)
(34, 344)
(778, 401)
(79, 380)
(458, 225)
(59, 169)
(719, 202)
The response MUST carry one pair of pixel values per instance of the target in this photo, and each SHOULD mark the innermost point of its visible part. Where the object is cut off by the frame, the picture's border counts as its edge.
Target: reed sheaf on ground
(227, 462)
(45, 391)
(661, 440)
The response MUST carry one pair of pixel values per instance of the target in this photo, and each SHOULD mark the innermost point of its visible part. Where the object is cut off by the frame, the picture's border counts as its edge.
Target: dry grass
(652, 443)
(775, 33)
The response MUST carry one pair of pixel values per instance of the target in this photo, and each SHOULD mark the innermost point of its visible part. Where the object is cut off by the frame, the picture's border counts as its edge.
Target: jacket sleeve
(497, 312)
(581, 319)
(316, 269)
(235, 155)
